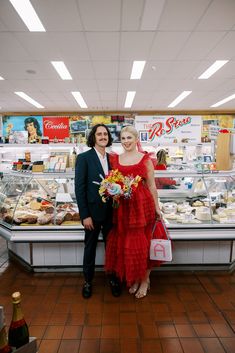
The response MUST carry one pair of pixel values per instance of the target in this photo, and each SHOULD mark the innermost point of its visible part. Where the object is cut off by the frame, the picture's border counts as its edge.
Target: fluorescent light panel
(29, 99)
(129, 99)
(212, 69)
(62, 70)
(1, 78)
(28, 15)
(79, 99)
(137, 70)
(223, 101)
(182, 96)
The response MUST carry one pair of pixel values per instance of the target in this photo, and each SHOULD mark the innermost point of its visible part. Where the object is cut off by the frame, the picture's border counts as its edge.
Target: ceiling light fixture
(225, 100)
(62, 70)
(129, 99)
(28, 15)
(137, 70)
(79, 99)
(1, 78)
(212, 69)
(182, 96)
(29, 99)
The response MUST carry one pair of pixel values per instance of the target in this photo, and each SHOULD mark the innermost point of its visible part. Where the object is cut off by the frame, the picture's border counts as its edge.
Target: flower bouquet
(116, 185)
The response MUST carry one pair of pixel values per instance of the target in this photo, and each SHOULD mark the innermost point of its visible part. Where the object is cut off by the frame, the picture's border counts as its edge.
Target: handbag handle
(164, 226)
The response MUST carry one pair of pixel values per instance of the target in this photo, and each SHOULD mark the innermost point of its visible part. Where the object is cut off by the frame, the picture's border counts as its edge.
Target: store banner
(56, 127)
(169, 129)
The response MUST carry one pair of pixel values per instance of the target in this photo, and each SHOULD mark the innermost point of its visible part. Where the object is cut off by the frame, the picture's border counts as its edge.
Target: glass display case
(197, 198)
(43, 200)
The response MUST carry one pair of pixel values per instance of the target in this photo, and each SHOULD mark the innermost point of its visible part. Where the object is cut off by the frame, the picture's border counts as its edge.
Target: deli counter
(40, 220)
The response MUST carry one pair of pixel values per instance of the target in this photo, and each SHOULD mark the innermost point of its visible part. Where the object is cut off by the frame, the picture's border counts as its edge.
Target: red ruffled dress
(127, 248)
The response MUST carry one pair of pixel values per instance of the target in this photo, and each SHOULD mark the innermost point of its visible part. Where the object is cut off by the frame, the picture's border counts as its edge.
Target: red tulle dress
(127, 248)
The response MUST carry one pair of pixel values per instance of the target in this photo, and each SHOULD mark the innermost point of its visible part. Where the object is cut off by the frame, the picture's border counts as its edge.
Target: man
(96, 215)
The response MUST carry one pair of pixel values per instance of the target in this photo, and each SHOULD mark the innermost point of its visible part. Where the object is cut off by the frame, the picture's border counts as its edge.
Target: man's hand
(88, 223)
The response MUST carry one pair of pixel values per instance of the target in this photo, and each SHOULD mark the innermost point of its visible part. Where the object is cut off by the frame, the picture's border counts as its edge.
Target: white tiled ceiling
(99, 39)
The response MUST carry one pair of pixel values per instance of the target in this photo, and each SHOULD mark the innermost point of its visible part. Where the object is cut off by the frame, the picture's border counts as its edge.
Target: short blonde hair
(131, 130)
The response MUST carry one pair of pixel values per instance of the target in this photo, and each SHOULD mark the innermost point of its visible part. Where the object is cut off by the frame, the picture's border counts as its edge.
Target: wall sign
(169, 129)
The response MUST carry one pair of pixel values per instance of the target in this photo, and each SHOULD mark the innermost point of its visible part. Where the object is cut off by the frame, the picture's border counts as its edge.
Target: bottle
(18, 334)
(73, 158)
(4, 346)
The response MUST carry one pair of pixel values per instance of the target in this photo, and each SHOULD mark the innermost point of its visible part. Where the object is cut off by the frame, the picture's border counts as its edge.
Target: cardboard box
(30, 347)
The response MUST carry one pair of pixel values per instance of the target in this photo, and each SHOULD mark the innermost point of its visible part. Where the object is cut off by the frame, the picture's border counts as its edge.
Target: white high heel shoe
(133, 289)
(143, 289)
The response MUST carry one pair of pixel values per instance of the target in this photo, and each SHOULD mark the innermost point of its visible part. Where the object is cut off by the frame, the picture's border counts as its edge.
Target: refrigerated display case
(40, 219)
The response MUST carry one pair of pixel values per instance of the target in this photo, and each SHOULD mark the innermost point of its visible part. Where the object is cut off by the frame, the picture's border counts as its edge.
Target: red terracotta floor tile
(228, 344)
(110, 318)
(204, 330)
(49, 346)
(109, 346)
(72, 332)
(171, 345)
(110, 331)
(223, 330)
(185, 330)
(54, 332)
(129, 331)
(145, 318)
(148, 331)
(166, 331)
(191, 345)
(93, 319)
(212, 345)
(127, 318)
(91, 332)
(67, 346)
(37, 331)
(129, 345)
(89, 346)
(151, 346)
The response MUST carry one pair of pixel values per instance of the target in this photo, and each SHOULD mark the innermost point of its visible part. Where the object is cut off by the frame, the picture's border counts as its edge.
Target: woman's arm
(150, 181)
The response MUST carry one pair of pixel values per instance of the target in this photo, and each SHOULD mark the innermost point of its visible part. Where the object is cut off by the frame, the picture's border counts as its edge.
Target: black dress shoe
(87, 290)
(115, 286)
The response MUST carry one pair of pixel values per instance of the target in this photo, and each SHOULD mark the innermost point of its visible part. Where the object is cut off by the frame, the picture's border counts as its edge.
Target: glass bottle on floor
(18, 334)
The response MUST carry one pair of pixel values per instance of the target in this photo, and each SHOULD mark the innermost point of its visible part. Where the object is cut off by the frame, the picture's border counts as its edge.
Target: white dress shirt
(103, 161)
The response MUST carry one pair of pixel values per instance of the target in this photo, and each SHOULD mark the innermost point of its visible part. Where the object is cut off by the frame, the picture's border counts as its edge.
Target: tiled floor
(184, 312)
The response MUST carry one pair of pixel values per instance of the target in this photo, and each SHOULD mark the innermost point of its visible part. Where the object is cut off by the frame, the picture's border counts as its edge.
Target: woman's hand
(158, 213)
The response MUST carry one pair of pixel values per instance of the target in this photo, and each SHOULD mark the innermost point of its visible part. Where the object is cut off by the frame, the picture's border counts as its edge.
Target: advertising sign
(169, 129)
(31, 124)
(56, 127)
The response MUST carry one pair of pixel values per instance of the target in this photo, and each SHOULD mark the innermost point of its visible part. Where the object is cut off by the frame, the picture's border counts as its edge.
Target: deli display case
(40, 220)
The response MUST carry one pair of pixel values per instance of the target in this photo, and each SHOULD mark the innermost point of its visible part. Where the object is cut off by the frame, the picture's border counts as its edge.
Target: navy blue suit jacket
(88, 169)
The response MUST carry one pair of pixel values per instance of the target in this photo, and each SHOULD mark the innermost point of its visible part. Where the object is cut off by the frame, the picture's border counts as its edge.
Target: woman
(31, 125)
(162, 183)
(127, 249)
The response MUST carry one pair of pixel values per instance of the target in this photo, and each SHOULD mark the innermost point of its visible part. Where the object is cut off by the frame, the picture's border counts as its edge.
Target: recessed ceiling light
(129, 99)
(62, 70)
(29, 99)
(182, 96)
(79, 99)
(223, 101)
(137, 70)
(28, 15)
(212, 69)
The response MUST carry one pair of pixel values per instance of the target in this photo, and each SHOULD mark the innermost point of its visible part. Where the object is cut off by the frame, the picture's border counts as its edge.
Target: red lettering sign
(158, 129)
(56, 127)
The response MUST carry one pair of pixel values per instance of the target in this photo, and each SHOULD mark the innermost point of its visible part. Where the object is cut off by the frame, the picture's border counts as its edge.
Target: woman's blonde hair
(131, 130)
(161, 157)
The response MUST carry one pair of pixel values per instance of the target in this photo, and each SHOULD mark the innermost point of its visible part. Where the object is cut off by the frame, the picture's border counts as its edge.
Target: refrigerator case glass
(31, 200)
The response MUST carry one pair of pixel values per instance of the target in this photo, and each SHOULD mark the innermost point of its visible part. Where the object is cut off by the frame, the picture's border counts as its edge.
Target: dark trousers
(91, 240)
